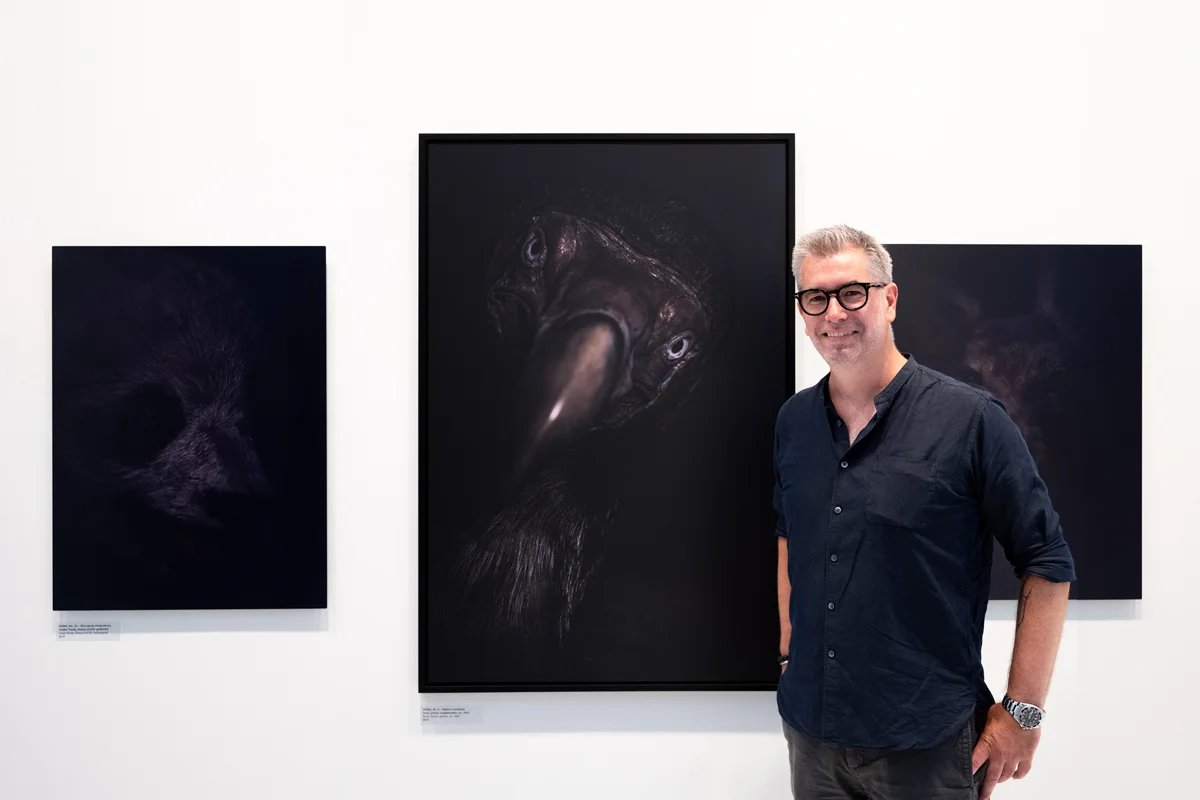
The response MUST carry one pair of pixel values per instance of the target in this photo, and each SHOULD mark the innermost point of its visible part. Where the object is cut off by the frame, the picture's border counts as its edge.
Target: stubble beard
(864, 343)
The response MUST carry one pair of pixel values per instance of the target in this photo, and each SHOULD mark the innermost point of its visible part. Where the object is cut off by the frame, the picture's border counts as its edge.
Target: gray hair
(832, 240)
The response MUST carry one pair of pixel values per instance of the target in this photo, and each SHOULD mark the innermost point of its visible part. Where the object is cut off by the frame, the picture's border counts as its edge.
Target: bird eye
(535, 248)
(147, 421)
(678, 347)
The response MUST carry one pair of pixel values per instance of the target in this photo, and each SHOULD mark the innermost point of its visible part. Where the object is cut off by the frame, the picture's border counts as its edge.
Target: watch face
(1029, 717)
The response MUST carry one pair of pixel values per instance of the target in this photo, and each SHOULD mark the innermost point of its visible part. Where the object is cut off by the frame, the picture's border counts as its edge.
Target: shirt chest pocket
(901, 492)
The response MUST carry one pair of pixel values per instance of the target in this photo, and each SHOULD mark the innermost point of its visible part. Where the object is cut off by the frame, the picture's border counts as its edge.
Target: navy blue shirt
(889, 543)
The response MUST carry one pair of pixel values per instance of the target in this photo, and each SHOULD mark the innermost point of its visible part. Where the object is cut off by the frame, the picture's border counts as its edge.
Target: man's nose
(835, 312)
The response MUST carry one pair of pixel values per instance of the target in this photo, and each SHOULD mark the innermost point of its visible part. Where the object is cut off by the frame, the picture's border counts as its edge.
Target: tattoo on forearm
(1026, 590)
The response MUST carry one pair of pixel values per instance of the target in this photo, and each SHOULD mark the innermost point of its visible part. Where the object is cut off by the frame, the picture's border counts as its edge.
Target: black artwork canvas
(189, 427)
(606, 337)
(1054, 332)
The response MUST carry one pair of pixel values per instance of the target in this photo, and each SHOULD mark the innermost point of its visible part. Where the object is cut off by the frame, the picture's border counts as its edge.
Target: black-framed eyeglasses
(851, 297)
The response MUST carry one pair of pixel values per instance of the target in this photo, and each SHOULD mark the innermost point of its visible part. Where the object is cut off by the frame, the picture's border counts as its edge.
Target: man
(891, 479)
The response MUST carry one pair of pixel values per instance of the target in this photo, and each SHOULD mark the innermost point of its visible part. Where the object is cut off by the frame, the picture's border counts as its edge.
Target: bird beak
(571, 375)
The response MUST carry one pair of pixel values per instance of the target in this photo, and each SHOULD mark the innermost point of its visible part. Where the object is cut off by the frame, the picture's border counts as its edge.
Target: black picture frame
(460, 200)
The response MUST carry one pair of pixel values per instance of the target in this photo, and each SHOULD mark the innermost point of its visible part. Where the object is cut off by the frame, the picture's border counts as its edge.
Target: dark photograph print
(1055, 333)
(606, 337)
(189, 427)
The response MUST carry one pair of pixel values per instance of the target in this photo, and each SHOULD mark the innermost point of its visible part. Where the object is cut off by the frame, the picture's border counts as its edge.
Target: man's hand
(1007, 746)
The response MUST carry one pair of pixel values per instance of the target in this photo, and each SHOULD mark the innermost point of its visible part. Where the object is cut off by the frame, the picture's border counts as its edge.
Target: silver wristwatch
(1027, 715)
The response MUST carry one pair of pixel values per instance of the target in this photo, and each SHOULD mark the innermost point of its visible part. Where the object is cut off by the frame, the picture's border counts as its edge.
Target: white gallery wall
(296, 123)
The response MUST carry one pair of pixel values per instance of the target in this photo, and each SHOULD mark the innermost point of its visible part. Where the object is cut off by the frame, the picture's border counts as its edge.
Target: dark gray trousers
(820, 772)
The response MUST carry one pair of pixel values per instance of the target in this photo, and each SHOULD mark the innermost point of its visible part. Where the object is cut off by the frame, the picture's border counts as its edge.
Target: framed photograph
(189, 426)
(1055, 333)
(607, 334)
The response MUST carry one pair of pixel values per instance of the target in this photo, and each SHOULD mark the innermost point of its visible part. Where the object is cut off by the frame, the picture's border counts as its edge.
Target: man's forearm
(1041, 611)
(785, 594)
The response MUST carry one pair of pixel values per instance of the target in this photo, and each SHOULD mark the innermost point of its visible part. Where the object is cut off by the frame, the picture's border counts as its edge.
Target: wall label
(450, 714)
(89, 630)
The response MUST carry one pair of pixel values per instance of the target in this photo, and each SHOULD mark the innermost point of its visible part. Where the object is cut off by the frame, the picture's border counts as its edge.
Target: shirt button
(837, 509)
(839, 422)
(831, 606)
(833, 557)
(844, 465)
(831, 654)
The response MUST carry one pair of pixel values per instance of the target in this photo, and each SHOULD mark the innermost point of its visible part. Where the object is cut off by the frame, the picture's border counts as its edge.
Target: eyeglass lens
(849, 298)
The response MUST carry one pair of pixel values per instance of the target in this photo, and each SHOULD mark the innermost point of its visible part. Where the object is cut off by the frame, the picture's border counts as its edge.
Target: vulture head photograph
(603, 309)
(607, 337)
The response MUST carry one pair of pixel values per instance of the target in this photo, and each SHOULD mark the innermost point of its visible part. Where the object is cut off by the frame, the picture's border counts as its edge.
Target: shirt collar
(893, 388)
(885, 397)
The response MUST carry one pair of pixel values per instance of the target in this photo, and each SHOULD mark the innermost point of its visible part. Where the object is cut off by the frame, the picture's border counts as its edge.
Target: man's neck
(858, 384)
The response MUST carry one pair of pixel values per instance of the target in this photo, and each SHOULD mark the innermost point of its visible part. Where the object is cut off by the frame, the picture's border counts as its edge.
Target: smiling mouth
(833, 335)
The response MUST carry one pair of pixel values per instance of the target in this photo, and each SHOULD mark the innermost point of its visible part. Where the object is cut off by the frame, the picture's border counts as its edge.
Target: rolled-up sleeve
(1015, 501)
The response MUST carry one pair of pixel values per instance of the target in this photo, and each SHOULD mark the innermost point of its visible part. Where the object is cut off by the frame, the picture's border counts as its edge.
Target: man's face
(844, 337)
